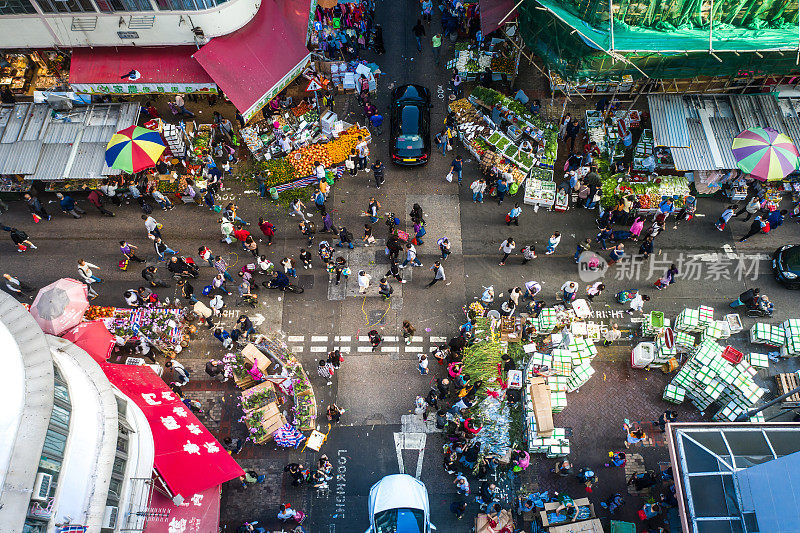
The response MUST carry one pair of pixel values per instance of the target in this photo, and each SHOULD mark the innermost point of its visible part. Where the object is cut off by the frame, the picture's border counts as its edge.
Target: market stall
(161, 328)
(22, 73)
(648, 195)
(283, 379)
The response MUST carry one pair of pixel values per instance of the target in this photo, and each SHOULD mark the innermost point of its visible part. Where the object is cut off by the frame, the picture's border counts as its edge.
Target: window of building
(66, 6)
(113, 6)
(187, 5)
(16, 7)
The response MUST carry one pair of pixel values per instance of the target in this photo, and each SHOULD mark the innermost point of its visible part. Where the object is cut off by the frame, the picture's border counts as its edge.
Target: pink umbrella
(94, 338)
(60, 305)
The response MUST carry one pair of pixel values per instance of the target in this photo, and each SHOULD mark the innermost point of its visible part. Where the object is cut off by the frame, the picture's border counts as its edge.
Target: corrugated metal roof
(52, 162)
(95, 134)
(16, 120)
(725, 129)
(36, 124)
(756, 111)
(793, 128)
(19, 157)
(61, 132)
(698, 155)
(89, 161)
(668, 116)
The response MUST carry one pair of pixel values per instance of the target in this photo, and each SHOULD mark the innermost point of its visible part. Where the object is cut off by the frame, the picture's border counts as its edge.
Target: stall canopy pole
(611, 21)
(502, 20)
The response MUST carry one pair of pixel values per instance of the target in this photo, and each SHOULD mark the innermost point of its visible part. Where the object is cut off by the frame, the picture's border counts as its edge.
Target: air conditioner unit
(110, 517)
(41, 489)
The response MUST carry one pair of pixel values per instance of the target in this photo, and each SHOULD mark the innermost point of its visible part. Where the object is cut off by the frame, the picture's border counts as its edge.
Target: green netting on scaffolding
(665, 39)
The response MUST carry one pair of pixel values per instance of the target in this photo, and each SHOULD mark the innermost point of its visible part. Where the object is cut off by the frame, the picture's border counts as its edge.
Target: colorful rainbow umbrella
(765, 154)
(134, 149)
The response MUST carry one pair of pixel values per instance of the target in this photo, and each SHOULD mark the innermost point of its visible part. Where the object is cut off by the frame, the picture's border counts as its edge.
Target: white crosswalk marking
(343, 338)
(319, 338)
(363, 349)
(416, 349)
(297, 349)
(317, 349)
(390, 338)
(389, 349)
(363, 338)
(438, 339)
(417, 338)
(296, 338)
(344, 349)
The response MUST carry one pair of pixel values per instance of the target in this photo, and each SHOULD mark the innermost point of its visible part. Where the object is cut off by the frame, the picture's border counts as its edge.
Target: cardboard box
(251, 353)
(552, 506)
(539, 392)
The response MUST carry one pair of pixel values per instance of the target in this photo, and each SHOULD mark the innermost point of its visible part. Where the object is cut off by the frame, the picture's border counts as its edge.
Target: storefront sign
(144, 88)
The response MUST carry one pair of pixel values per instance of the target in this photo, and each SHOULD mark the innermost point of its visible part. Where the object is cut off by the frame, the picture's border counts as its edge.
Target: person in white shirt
(180, 373)
(216, 304)
(611, 335)
(319, 170)
(555, 238)
(151, 226)
(362, 150)
(363, 281)
(532, 288)
(286, 146)
(477, 188)
(411, 256)
(569, 291)
(85, 270)
(507, 247)
(637, 303)
(595, 290)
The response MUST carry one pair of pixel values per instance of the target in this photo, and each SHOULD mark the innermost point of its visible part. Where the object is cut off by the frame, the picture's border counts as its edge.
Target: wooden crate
(786, 383)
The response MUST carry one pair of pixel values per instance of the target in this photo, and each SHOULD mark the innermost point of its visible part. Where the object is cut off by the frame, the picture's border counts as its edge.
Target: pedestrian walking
(617, 252)
(419, 32)
(756, 227)
(444, 247)
(665, 418)
(19, 238)
(458, 508)
(16, 287)
(456, 168)
(569, 291)
(394, 271)
(438, 274)
(572, 130)
(362, 151)
(478, 187)
(513, 216)
(180, 103)
(68, 205)
(411, 256)
(462, 485)
(595, 290)
(436, 45)
(305, 258)
(581, 247)
(345, 238)
(326, 370)
(501, 189)
(377, 123)
(368, 238)
(187, 291)
(725, 217)
(95, 198)
(307, 229)
(351, 163)
(373, 209)
(612, 335)
(296, 208)
(363, 282)
(162, 249)
(152, 226)
(408, 332)
(267, 229)
(375, 339)
(88, 277)
(222, 267)
(340, 269)
(668, 278)
(422, 363)
(419, 233)
(507, 246)
(150, 274)
(36, 208)
(378, 169)
(289, 267)
(218, 283)
(752, 207)
(384, 289)
(637, 303)
(552, 243)
(129, 252)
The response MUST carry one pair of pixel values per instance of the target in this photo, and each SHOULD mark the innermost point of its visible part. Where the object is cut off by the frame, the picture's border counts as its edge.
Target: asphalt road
(377, 389)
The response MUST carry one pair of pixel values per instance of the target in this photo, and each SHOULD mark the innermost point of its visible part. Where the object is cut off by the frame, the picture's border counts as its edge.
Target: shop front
(22, 73)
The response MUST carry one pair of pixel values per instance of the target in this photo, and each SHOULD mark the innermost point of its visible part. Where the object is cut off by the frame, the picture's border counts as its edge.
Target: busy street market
(477, 266)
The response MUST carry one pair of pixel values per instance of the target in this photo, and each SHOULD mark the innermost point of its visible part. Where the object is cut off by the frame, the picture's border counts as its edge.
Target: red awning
(199, 513)
(187, 456)
(493, 11)
(253, 61)
(94, 338)
(156, 65)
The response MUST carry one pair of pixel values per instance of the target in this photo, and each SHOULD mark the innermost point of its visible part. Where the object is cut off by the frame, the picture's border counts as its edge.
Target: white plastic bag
(449, 177)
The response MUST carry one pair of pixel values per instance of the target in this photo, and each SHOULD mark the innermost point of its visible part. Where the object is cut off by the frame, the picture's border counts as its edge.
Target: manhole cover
(377, 317)
(306, 280)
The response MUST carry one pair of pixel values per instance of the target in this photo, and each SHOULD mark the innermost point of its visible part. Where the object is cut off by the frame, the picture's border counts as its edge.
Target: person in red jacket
(267, 229)
(96, 200)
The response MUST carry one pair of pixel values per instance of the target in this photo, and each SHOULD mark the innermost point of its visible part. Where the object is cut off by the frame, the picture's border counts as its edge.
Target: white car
(399, 504)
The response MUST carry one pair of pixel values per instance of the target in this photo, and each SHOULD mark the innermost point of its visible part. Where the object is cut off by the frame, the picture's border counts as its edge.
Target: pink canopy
(94, 338)
(256, 62)
(60, 305)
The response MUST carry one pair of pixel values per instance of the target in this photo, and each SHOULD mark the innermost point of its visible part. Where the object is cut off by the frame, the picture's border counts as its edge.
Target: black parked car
(786, 265)
(411, 125)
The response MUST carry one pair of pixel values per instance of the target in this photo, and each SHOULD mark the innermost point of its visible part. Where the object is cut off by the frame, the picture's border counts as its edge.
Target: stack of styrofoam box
(664, 353)
(647, 326)
(685, 340)
(558, 401)
(558, 383)
(580, 375)
(762, 333)
(674, 393)
(584, 349)
(689, 320)
(547, 320)
(554, 445)
(706, 315)
(791, 329)
(716, 329)
(541, 359)
(758, 360)
(562, 362)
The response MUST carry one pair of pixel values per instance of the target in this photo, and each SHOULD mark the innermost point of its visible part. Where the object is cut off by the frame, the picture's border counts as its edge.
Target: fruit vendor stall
(648, 195)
